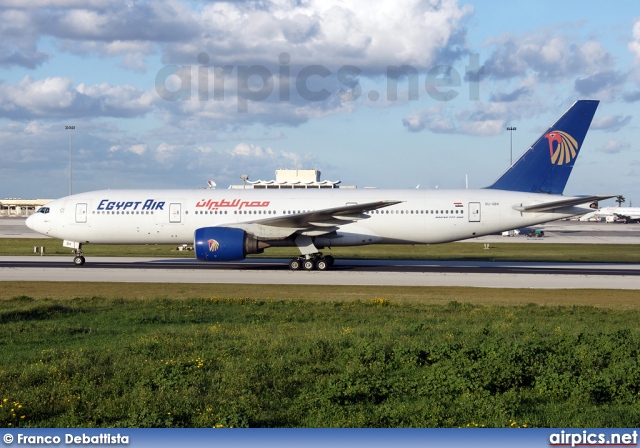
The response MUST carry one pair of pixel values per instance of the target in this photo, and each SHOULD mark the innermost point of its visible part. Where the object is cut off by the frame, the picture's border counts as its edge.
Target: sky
(388, 94)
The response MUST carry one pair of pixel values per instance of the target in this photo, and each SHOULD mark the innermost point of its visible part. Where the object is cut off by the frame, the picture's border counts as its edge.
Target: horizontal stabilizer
(554, 205)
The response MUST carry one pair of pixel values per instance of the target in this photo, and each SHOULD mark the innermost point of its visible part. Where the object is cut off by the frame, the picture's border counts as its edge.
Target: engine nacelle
(225, 244)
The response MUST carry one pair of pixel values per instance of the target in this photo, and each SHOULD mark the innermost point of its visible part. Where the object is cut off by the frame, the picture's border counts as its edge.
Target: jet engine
(225, 244)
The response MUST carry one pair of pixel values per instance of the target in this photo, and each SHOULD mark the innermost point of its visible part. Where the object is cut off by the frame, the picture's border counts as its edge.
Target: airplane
(227, 225)
(613, 214)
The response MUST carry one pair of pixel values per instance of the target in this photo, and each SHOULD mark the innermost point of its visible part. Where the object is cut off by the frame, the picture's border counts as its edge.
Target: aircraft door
(81, 213)
(174, 212)
(474, 212)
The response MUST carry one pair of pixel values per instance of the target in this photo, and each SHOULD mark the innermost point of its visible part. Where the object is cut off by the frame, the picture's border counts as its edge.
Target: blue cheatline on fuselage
(546, 165)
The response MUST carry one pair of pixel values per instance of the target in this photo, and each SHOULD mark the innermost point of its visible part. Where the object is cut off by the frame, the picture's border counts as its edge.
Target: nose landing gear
(76, 248)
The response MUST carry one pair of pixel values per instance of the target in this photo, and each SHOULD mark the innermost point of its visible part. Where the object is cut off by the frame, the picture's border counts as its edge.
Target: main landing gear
(311, 262)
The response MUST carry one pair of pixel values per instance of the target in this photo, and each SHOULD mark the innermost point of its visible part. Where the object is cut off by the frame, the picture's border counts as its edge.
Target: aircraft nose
(34, 222)
(30, 221)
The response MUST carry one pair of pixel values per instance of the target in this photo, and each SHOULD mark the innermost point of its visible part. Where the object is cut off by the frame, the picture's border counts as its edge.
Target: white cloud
(482, 120)
(39, 96)
(432, 120)
(634, 45)
(86, 23)
(104, 27)
(610, 123)
(550, 55)
(57, 97)
(603, 85)
(256, 155)
(250, 150)
(165, 147)
(331, 33)
(204, 149)
(328, 32)
(138, 149)
(35, 4)
(614, 146)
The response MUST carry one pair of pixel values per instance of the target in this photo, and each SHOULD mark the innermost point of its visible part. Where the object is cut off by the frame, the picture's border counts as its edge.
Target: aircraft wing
(312, 223)
(562, 203)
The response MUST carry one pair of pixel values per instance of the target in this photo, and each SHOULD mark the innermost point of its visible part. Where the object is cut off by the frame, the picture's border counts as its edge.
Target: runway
(345, 272)
(350, 272)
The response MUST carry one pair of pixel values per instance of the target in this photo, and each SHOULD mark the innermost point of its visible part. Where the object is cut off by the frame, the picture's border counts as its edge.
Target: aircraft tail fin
(546, 165)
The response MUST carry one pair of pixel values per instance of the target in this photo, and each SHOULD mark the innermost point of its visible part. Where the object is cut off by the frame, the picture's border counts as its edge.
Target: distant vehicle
(514, 232)
(536, 233)
(226, 225)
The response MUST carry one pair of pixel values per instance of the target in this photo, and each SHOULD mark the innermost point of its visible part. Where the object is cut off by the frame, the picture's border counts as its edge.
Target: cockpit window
(43, 210)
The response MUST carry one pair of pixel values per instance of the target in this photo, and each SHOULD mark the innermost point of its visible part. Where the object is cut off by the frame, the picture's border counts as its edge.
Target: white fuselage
(172, 216)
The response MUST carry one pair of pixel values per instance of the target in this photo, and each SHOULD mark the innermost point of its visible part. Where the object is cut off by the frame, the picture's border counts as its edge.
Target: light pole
(244, 178)
(511, 129)
(71, 128)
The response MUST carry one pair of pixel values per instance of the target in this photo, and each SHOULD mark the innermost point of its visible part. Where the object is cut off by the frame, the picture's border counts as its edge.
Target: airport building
(299, 179)
(16, 207)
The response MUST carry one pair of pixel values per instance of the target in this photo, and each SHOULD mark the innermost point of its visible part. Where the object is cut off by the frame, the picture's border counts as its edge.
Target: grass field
(214, 355)
(598, 298)
(179, 355)
(613, 253)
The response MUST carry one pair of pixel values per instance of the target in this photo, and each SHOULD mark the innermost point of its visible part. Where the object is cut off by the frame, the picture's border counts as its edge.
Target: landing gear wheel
(295, 264)
(309, 265)
(78, 260)
(322, 264)
(329, 260)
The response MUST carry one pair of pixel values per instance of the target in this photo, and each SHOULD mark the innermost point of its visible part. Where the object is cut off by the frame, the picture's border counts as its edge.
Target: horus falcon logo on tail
(566, 149)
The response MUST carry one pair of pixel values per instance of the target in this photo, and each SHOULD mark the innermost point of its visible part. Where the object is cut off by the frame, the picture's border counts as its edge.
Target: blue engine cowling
(224, 244)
